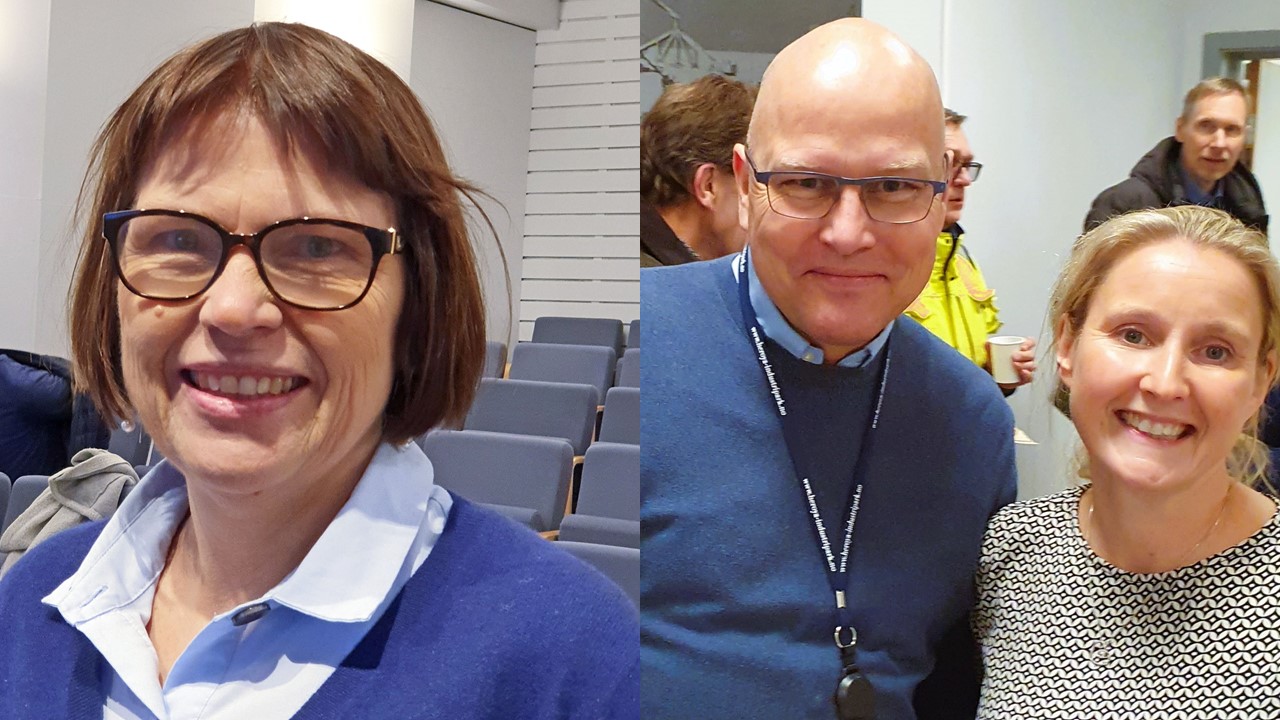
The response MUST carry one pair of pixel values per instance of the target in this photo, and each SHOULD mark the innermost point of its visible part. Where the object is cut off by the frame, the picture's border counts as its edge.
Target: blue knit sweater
(737, 616)
(497, 623)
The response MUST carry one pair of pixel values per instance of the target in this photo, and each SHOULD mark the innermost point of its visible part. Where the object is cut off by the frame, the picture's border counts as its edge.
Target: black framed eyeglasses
(810, 195)
(973, 168)
(308, 263)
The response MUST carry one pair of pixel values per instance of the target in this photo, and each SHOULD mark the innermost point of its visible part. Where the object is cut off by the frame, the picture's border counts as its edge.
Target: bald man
(817, 469)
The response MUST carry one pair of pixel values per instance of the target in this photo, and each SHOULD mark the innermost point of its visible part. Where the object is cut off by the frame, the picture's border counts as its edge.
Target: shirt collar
(343, 578)
(1195, 194)
(776, 327)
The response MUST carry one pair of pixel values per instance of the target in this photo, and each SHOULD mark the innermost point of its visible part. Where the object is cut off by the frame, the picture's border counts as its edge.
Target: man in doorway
(957, 305)
(1199, 165)
(688, 198)
(817, 471)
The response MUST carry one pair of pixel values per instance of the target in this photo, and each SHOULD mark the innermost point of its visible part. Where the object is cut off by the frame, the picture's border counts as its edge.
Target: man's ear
(1178, 127)
(742, 176)
(702, 188)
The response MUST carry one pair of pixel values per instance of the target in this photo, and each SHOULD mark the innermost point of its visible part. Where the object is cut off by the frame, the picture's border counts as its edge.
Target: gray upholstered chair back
(495, 359)
(611, 481)
(619, 564)
(629, 369)
(621, 423)
(25, 490)
(131, 442)
(549, 362)
(496, 468)
(5, 487)
(529, 407)
(579, 331)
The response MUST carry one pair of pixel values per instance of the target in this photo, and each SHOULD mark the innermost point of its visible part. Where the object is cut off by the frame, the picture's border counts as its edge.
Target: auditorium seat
(551, 362)
(530, 407)
(25, 490)
(629, 369)
(519, 471)
(579, 331)
(621, 422)
(619, 564)
(495, 359)
(608, 511)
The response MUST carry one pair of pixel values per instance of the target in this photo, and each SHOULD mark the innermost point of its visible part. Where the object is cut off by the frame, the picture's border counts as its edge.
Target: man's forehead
(1223, 106)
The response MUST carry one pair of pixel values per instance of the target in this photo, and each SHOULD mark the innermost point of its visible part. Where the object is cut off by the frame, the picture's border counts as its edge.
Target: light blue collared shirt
(270, 667)
(1198, 196)
(780, 331)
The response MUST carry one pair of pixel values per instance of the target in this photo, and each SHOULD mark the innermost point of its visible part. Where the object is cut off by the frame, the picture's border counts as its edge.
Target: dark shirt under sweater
(832, 406)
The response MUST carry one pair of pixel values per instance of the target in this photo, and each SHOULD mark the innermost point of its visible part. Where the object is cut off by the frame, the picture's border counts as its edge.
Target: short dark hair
(691, 124)
(951, 117)
(315, 91)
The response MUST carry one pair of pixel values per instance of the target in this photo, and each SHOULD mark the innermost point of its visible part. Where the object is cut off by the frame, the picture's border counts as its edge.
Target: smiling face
(1212, 137)
(854, 105)
(298, 395)
(1165, 370)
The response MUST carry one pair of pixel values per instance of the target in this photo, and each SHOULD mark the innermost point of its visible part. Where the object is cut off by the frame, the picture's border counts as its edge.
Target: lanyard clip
(840, 635)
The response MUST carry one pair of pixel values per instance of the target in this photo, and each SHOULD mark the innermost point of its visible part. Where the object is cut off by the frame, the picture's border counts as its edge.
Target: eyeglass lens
(807, 196)
(317, 265)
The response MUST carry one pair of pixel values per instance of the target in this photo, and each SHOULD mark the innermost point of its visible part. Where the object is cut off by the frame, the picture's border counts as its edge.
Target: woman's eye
(319, 247)
(180, 240)
(1217, 353)
(1132, 336)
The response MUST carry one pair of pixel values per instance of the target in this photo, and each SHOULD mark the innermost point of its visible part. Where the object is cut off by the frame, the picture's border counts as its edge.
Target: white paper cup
(1001, 348)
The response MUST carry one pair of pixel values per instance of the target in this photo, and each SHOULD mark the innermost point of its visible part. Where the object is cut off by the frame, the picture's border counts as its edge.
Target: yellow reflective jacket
(957, 305)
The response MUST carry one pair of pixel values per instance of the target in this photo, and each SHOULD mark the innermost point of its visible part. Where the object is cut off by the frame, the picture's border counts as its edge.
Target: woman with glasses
(1151, 591)
(278, 281)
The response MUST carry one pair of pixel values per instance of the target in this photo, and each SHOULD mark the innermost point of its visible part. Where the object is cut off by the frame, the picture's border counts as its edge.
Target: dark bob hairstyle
(316, 92)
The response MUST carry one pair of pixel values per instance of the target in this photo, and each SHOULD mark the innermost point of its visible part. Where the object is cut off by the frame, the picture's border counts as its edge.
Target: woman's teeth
(243, 385)
(1166, 431)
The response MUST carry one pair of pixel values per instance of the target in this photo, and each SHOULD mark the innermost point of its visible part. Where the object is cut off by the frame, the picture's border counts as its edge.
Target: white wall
(24, 61)
(1063, 98)
(64, 68)
(475, 77)
(582, 227)
(1266, 149)
(98, 53)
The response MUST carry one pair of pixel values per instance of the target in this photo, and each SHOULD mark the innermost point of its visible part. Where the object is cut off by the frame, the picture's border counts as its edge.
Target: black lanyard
(854, 697)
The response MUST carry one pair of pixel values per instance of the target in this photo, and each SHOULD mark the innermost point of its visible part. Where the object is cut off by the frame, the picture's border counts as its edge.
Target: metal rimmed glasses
(308, 263)
(809, 195)
(973, 168)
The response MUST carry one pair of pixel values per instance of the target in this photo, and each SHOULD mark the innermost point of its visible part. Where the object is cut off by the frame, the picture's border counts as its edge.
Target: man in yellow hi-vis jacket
(957, 305)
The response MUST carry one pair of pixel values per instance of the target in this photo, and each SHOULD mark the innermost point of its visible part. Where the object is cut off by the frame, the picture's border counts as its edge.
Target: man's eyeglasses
(309, 263)
(811, 195)
(973, 168)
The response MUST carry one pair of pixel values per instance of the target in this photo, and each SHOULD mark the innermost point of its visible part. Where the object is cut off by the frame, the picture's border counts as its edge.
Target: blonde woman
(1151, 591)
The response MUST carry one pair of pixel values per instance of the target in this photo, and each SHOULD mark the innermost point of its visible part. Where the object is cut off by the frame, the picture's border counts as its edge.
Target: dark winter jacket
(1156, 181)
(42, 423)
(658, 243)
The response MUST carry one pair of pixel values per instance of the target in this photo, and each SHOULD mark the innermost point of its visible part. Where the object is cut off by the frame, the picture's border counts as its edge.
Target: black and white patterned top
(1064, 634)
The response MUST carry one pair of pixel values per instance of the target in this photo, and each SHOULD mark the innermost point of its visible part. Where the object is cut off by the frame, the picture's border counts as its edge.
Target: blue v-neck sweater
(737, 616)
(497, 623)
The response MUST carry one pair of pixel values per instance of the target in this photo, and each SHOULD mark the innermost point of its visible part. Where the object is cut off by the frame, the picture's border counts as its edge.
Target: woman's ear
(1266, 376)
(1063, 346)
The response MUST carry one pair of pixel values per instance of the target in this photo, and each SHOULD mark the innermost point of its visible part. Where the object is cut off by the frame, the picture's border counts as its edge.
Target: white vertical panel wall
(582, 226)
